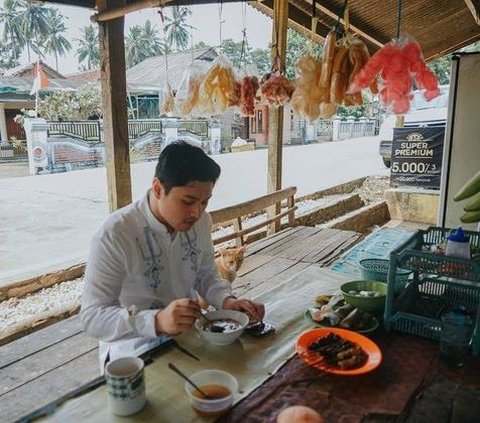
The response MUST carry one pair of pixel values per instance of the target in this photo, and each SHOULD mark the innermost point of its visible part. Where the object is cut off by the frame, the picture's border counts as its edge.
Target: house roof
(85, 76)
(16, 87)
(28, 69)
(440, 26)
(151, 73)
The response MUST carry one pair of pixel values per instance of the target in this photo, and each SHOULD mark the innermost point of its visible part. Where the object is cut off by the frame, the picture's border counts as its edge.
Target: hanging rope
(167, 47)
(337, 28)
(399, 17)
(313, 29)
(220, 12)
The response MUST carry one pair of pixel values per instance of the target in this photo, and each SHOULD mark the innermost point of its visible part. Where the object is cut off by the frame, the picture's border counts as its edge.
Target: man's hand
(254, 310)
(177, 317)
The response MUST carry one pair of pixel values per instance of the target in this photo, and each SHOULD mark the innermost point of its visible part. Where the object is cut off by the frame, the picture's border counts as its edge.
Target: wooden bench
(233, 215)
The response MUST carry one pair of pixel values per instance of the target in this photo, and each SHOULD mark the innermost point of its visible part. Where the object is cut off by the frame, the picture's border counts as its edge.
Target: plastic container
(208, 378)
(458, 244)
(377, 270)
(371, 304)
(455, 338)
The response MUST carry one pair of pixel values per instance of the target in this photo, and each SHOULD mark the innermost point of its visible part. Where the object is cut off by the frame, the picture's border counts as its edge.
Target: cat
(228, 262)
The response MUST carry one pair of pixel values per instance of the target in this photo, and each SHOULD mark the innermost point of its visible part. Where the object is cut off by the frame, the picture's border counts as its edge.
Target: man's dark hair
(180, 163)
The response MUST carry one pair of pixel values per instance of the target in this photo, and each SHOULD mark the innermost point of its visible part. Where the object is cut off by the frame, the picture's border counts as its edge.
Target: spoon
(172, 366)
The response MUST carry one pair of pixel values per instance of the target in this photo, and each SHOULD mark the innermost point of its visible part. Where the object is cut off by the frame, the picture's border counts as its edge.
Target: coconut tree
(156, 45)
(88, 47)
(34, 25)
(136, 48)
(177, 29)
(12, 33)
(56, 43)
(142, 43)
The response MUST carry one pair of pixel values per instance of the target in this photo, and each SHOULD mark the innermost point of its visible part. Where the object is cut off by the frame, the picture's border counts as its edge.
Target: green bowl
(371, 304)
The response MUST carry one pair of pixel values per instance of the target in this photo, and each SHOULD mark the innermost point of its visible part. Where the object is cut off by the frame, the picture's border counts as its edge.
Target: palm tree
(34, 25)
(135, 46)
(156, 46)
(142, 43)
(56, 43)
(89, 48)
(12, 33)
(177, 29)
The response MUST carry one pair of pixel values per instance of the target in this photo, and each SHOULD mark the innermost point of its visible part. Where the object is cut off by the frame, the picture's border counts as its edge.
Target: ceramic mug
(126, 385)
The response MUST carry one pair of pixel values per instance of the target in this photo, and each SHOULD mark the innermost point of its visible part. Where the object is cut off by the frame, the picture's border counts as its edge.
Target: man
(150, 259)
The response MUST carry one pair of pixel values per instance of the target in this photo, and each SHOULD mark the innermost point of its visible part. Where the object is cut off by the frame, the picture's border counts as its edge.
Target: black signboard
(417, 156)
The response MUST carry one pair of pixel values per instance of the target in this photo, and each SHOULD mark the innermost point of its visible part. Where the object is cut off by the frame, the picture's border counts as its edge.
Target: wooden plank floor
(58, 361)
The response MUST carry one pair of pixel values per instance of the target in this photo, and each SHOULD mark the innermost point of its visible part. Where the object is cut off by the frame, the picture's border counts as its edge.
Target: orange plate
(306, 338)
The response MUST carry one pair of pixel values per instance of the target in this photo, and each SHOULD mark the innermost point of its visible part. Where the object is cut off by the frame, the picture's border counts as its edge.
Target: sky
(205, 18)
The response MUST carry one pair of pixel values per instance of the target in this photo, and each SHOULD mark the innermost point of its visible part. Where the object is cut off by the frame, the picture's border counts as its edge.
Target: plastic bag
(188, 93)
(397, 63)
(168, 100)
(308, 94)
(248, 95)
(219, 89)
(276, 89)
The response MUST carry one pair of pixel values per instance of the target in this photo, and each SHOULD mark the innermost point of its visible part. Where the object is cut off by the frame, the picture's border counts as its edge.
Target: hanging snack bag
(188, 93)
(219, 89)
(308, 94)
(275, 88)
(397, 63)
(248, 91)
(168, 100)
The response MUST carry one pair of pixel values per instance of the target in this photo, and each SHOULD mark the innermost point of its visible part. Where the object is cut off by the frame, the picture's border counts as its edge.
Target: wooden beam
(275, 141)
(334, 14)
(122, 9)
(474, 7)
(114, 105)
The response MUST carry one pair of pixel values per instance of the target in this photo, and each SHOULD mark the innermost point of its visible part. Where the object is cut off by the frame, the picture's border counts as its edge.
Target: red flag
(41, 81)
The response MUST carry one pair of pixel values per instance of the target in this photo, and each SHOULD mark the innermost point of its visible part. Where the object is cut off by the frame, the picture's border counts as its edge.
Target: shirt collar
(152, 221)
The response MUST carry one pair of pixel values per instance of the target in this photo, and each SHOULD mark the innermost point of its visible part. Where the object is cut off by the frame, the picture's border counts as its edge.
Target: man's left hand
(255, 311)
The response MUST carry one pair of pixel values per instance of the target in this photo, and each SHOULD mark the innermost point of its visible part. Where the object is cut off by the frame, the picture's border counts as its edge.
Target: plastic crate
(377, 270)
(419, 308)
(415, 254)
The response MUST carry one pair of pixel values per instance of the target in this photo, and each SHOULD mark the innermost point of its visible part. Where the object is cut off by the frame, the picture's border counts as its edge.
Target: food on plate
(322, 299)
(221, 325)
(337, 313)
(299, 414)
(338, 352)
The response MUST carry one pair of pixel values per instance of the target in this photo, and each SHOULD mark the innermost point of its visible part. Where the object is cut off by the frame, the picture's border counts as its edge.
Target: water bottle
(456, 337)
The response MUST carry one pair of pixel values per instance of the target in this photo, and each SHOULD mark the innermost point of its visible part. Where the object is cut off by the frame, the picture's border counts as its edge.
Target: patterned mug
(126, 385)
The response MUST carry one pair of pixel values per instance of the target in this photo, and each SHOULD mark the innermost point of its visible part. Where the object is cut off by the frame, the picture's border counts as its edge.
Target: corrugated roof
(27, 70)
(23, 84)
(151, 73)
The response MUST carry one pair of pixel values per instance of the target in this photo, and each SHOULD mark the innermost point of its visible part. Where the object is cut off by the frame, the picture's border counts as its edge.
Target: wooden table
(57, 362)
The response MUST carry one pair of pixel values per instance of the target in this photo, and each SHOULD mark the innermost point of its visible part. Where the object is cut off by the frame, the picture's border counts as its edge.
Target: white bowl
(223, 338)
(209, 407)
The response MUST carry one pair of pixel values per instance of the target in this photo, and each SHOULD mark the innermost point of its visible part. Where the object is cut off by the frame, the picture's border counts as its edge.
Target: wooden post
(114, 104)
(275, 137)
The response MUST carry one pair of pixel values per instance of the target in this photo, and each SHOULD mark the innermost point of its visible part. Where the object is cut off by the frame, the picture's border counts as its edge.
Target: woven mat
(408, 362)
(378, 245)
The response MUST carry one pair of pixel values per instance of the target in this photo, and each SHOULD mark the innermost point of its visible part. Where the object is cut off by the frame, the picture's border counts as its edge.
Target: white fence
(346, 129)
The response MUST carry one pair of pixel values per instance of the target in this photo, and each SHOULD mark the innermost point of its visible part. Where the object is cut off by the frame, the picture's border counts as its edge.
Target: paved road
(48, 220)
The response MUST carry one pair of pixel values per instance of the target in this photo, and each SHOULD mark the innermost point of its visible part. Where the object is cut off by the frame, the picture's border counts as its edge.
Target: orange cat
(229, 261)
